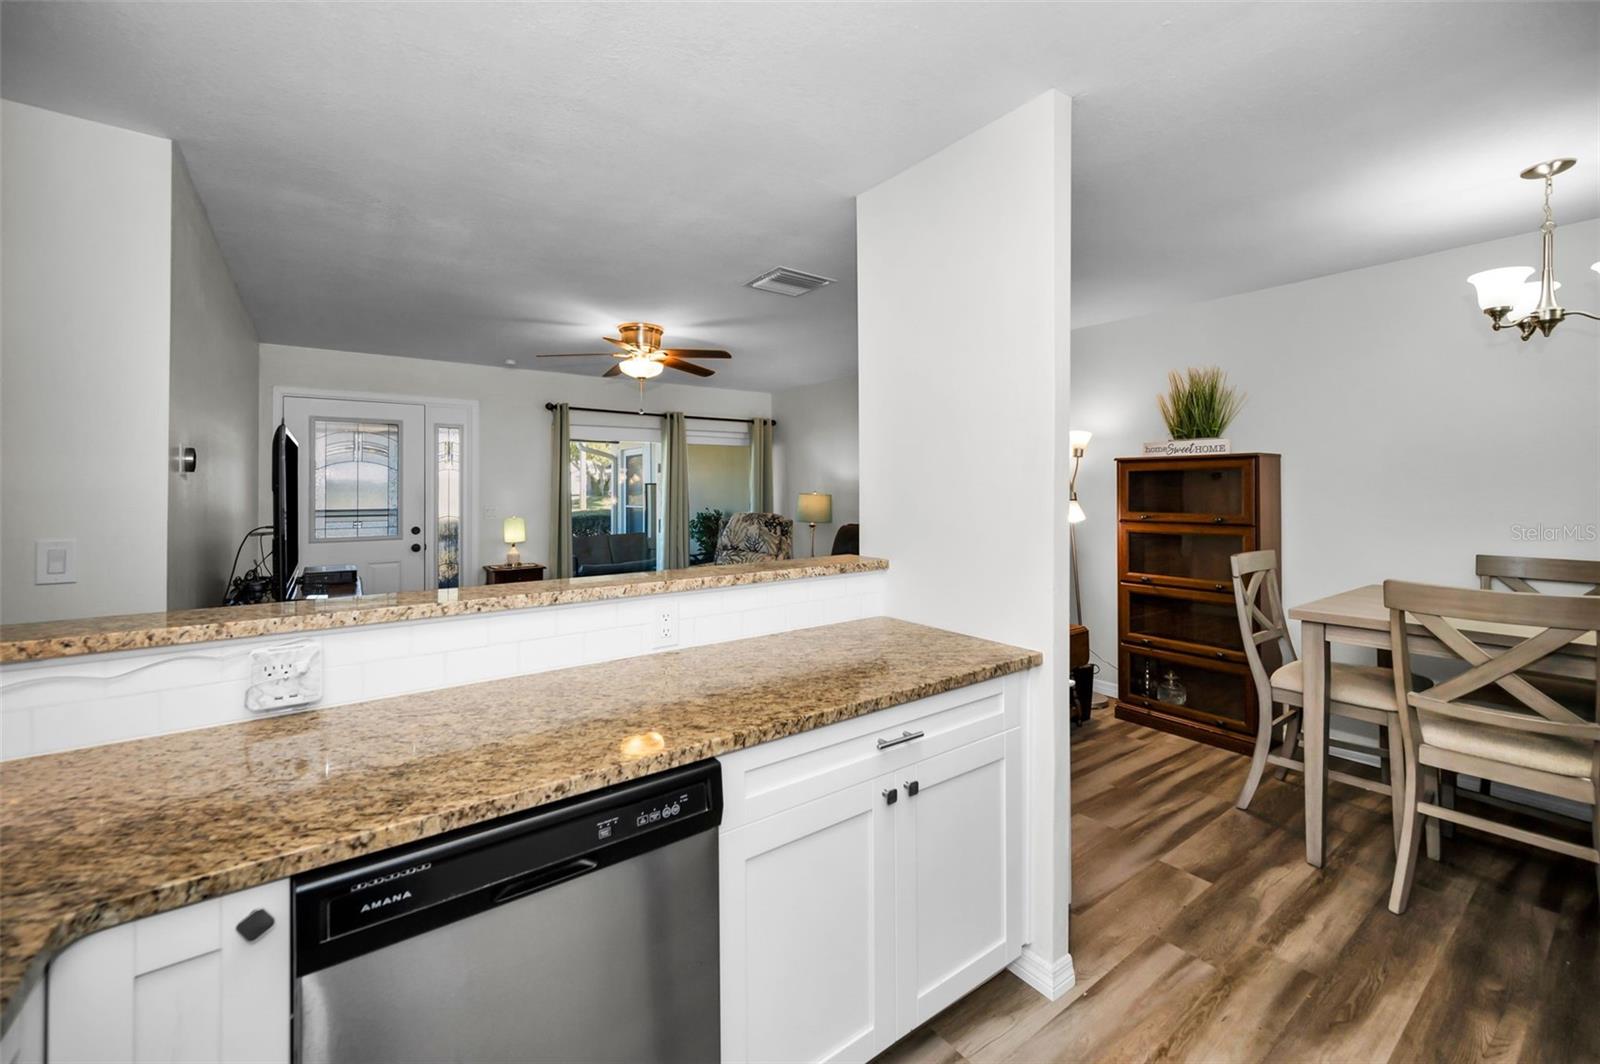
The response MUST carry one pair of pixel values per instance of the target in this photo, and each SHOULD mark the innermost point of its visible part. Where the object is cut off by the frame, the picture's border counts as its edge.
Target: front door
(363, 470)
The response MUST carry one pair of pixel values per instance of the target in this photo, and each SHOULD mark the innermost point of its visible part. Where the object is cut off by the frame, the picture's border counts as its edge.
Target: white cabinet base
(184, 985)
(866, 888)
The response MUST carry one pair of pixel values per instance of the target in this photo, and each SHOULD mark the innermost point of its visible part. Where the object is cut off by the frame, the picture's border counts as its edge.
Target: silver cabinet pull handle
(903, 737)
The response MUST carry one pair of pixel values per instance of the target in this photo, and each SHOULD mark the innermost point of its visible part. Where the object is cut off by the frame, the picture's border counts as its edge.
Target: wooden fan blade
(580, 354)
(687, 367)
(697, 352)
(614, 371)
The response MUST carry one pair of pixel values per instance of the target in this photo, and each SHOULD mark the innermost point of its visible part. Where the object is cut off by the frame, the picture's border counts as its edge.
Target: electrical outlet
(285, 676)
(664, 629)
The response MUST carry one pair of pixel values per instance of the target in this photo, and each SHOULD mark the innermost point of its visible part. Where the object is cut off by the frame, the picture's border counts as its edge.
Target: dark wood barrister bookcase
(1179, 520)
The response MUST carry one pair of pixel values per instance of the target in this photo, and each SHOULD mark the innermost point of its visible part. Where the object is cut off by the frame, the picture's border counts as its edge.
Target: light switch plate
(285, 676)
(55, 561)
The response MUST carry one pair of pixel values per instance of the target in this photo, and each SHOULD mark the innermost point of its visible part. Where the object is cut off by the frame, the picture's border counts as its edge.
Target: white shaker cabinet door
(185, 985)
(23, 1042)
(807, 931)
(958, 902)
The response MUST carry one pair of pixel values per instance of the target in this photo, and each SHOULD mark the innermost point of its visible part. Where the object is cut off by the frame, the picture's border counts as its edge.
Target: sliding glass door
(613, 492)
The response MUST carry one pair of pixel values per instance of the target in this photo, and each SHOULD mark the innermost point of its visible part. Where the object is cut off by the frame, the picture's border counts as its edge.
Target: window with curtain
(612, 493)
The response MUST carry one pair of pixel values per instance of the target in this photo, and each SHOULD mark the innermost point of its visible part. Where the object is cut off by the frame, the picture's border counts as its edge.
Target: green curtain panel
(677, 531)
(761, 465)
(561, 505)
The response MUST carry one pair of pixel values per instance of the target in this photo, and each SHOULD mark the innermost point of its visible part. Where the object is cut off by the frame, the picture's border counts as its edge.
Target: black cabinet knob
(255, 925)
(890, 796)
(912, 787)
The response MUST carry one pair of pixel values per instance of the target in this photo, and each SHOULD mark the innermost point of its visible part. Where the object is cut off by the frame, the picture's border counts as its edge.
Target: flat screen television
(285, 512)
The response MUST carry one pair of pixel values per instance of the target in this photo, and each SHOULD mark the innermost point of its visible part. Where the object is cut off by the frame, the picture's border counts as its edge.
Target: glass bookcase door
(1212, 492)
(1190, 556)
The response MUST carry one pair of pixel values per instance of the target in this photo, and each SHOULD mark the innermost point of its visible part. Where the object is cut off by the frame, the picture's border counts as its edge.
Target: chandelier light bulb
(1502, 287)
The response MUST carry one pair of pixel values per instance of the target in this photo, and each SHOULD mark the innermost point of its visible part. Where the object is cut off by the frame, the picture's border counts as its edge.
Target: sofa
(755, 537)
(611, 552)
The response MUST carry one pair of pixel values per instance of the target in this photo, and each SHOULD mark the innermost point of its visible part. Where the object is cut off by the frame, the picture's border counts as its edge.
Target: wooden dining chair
(1356, 692)
(1516, 572)
(1490, 721)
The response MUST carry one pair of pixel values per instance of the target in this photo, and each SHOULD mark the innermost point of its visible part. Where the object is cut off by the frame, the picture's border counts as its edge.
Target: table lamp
(814, 508)
(516, 531)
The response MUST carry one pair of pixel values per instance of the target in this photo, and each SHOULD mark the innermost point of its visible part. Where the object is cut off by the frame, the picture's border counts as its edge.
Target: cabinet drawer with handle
(766, 779)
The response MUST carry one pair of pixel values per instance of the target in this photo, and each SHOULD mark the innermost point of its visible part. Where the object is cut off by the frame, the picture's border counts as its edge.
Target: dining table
(1359, 618)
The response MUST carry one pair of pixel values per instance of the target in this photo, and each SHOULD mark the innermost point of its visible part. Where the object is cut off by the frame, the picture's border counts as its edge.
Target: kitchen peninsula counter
(93, 838)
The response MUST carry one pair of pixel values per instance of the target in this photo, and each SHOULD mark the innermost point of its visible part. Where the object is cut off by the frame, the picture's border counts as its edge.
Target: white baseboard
(1051, 980)
(1106, 687)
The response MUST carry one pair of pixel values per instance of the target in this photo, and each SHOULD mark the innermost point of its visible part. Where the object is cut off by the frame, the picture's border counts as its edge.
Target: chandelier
(1506, 294)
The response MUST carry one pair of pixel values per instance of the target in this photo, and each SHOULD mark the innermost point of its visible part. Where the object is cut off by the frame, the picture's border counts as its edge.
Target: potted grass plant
(1197, 408)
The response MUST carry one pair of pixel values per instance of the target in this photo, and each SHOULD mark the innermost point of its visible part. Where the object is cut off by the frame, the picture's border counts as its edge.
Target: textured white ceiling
(479, 182)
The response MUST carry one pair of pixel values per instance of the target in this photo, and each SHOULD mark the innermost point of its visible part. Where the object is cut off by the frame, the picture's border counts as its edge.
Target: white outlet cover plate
(664, 627)
(282, 677)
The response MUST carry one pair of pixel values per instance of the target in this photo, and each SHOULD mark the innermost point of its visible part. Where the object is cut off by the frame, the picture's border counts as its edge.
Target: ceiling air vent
(786, 282)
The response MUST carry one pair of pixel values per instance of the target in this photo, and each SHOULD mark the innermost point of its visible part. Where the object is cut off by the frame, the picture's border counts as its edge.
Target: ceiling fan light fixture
(641, 368)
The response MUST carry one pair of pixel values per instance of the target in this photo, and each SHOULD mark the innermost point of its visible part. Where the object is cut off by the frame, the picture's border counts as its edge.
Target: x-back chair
(1515, 572)
(1530, 740)
(1357, 692)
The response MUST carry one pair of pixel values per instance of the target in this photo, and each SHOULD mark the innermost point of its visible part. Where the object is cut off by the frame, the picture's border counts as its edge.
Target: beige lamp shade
(814, 508)
(516, 530)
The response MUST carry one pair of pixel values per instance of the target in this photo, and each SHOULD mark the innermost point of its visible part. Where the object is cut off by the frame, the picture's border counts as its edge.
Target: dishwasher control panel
(410, 889)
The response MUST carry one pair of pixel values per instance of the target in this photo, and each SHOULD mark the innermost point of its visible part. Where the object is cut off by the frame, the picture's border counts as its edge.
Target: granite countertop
(137, 631)
(93, 838)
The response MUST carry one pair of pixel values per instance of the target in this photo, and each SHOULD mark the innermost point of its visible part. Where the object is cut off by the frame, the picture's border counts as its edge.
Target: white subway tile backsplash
(342, 684)
(521, 626)
(183, 708)
(16, 733)
(111, 697)
(704, 603)
(494, 661)
(553, 652)
(439, 637)
(614, 643)
(91, 723)
(401, 676)
(584, 618)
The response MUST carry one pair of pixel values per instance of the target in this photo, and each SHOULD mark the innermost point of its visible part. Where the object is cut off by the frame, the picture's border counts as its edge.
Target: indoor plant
(704, 527)
(1199, 403)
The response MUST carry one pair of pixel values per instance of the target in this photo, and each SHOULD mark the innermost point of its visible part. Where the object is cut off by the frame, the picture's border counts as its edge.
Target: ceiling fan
(639, 354)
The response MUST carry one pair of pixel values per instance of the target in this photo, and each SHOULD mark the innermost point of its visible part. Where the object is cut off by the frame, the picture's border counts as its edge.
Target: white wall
(816, 448)
(1412, 436)
(86, 297)
(963, 310)
(513, 425)
(215, 367)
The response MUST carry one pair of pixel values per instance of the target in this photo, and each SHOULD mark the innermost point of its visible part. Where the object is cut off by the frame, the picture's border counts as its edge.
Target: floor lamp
(1075, 517)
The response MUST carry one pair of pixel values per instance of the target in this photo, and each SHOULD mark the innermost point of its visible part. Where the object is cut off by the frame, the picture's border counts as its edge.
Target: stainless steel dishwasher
(584, 931)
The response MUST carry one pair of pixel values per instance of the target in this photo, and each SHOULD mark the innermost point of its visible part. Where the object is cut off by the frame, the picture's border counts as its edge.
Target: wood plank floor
(1199, 933)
